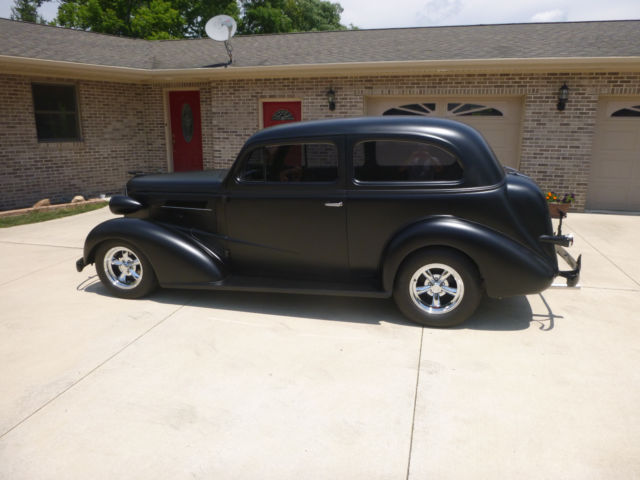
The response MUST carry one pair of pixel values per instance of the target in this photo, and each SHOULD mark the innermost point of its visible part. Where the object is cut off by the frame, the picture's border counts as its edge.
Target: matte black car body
(216, 230)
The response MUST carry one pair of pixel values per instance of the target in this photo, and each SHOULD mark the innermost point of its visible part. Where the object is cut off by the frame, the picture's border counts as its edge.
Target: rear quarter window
(404, 161)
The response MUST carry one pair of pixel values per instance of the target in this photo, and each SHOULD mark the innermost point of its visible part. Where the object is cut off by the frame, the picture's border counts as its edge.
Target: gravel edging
(49, 208)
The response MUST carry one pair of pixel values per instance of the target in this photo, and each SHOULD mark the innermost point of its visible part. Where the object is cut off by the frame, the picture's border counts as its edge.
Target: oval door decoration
(187, 122)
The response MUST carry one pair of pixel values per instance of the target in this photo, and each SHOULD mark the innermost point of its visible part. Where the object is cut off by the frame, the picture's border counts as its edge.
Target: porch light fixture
(331, 98)
(563, 96)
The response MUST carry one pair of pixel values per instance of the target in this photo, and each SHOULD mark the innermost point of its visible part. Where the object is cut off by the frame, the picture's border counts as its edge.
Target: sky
(421, 13)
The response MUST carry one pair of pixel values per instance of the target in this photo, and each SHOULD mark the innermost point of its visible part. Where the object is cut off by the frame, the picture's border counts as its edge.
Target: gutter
(23, 65)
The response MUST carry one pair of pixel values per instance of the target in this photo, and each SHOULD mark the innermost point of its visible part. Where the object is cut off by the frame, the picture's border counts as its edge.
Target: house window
(56, 110)
(404, 161)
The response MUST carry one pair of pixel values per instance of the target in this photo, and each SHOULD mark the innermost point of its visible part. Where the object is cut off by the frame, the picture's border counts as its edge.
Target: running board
(271, 285)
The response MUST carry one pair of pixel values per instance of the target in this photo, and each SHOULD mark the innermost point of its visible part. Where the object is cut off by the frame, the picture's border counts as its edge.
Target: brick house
(79, 109)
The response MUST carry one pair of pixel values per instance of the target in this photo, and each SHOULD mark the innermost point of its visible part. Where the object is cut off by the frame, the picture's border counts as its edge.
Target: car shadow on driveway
(510, 314)
(493, 315)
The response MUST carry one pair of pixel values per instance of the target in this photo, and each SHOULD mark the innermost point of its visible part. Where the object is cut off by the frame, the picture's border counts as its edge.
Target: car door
(285, 212)
(395, 181)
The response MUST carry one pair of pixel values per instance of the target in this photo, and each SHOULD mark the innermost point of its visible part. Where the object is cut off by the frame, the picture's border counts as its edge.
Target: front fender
(507, 267)
(176, 259)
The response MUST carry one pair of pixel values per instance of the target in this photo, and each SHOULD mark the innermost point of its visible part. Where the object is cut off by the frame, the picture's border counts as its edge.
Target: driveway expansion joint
(40, 245)
(605, 256)
(93, 370)
(15, 279)
(415, 403)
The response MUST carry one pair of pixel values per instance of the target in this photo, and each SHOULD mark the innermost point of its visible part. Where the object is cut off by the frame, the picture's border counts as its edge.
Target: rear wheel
(437, 288)
(124, 270)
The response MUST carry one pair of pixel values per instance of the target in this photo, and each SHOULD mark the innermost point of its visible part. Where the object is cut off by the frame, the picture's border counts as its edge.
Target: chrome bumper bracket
(572, 276)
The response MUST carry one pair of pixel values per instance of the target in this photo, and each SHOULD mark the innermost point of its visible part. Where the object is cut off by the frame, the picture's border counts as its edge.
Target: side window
(404, 161)
(302, 162)
(56, 111)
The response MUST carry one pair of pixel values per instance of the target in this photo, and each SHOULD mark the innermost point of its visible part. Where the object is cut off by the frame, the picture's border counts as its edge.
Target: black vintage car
(417, 208)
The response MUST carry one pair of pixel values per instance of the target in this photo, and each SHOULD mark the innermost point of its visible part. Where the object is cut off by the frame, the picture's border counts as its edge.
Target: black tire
(423, 297)
(124, 270)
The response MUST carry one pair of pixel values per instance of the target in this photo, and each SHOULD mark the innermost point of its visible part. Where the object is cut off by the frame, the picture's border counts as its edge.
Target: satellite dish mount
(221, 28)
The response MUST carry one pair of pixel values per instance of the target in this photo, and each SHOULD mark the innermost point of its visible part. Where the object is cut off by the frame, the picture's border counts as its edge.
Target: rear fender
(176, 258)
(507, 267)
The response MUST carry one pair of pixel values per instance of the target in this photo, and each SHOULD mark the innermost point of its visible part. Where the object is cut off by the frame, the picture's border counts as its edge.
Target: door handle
(333, 204)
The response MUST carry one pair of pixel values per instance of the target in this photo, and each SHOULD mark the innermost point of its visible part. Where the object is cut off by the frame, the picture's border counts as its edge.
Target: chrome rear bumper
(573, 275)
(560, 241)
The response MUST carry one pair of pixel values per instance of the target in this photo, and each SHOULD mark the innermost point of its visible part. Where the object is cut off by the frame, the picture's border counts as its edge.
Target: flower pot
(556, 208)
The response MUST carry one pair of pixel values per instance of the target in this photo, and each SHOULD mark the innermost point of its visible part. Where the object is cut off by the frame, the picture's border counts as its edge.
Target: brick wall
(123, 125)
(119, 133)
(555, 146)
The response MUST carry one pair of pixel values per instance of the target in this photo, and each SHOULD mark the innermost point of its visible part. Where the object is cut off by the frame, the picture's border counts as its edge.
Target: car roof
(467, 143)
(358, 125)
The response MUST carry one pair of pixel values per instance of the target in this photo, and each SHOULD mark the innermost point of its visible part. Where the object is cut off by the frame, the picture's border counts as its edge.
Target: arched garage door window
(453, 109)
(627, 112)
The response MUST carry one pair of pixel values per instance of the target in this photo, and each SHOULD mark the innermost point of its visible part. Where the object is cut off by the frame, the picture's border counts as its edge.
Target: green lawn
(42, 216)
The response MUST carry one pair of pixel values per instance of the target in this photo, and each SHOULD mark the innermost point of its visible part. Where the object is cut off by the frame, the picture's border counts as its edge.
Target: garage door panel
(495, 136)
(497, 119)
(614, 166)
(614, 201)
(614, 182)
(608, 195)
(620, 139)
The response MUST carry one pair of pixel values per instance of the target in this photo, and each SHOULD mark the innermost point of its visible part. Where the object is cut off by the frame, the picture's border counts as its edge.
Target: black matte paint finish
(210, 230)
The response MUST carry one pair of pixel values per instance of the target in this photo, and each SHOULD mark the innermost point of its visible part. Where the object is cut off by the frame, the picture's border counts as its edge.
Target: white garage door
(497, 118)
(615, 169)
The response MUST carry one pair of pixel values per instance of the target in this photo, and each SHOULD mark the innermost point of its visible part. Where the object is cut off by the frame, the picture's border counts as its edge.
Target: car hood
(208, 181)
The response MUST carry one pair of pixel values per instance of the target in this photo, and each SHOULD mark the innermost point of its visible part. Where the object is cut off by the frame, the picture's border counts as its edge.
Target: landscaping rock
(45, 202)
(77, 198)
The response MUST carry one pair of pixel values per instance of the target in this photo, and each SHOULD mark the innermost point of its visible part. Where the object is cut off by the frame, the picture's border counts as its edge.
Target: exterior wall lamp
(331, 98)
(563, 96)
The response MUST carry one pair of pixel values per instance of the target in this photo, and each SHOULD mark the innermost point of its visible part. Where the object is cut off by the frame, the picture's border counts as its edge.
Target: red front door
(186, 130)
(274, 113)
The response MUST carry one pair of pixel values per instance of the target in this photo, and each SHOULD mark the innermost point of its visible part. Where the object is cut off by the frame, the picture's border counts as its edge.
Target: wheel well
(91, 258)
(423, 250)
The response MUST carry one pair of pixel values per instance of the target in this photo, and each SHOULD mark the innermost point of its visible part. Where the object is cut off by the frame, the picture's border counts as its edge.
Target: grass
(42, 216)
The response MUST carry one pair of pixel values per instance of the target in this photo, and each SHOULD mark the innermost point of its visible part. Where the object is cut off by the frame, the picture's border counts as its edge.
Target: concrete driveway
(236, 386)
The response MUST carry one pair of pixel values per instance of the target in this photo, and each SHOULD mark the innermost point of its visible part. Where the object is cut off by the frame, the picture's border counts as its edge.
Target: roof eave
(409, 67)
(56, 68)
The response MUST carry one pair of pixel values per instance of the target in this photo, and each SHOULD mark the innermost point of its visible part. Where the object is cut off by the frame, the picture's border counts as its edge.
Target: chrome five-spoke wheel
(436, 288)
(123, 268)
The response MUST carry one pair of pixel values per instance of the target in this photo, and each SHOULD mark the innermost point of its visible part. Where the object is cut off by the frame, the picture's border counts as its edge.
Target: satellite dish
(221, 28)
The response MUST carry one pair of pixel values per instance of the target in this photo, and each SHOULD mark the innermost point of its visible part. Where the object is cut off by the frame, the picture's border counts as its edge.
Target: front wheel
(437, 288)
(124, 270)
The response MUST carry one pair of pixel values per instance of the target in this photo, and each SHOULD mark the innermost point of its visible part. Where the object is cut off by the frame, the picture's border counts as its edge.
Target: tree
(27, 10)
(316, 15)
(197, 13)
(278, 16)
(163, 19)
(151, 19)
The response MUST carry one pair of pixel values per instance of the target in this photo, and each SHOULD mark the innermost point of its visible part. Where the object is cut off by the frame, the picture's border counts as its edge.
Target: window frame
(244, 158)
(355, 141)
(36, 112)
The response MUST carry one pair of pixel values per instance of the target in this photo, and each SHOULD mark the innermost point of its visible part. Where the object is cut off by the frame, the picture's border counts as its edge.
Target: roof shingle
(509, 41)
